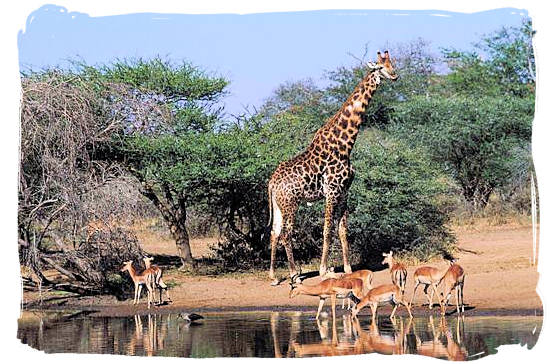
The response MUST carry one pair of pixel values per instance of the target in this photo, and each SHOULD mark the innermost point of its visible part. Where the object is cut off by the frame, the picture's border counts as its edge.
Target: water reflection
(275, 334)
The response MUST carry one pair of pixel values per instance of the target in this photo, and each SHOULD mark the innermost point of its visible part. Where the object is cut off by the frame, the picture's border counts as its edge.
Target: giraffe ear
(371, 65)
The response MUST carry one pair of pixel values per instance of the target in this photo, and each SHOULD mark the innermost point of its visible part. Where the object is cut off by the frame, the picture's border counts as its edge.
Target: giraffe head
(384, 66)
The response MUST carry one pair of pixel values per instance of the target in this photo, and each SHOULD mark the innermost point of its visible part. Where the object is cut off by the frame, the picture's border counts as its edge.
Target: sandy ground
(499, 277)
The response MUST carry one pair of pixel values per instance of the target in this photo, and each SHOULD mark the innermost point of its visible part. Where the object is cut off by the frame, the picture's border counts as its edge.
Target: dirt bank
(500, 278)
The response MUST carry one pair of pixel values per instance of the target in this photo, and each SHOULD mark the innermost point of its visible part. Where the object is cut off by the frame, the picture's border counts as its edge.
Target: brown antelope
(429, 277)
(364, 275)
(380, 294)
(157, 281)
(398, 272)
(144, 279)
(453, 278)
(328, 288)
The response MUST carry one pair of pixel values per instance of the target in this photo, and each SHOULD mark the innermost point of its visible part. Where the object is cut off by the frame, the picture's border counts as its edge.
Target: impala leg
(321, 303)
(437, 295)
(462, 294)
(373, 308)
(151, 287)
(408, 307)
(431, 295)
(136, 293)
(457, 300)
(138, 296)
(414, 291)
(393, 311)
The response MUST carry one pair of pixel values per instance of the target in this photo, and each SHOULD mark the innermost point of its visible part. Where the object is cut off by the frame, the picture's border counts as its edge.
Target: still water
(274, 334)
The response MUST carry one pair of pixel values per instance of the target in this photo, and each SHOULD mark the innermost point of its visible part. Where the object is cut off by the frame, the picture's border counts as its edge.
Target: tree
(63, 121)
(161, 149)
(503, 63)
(476, 140)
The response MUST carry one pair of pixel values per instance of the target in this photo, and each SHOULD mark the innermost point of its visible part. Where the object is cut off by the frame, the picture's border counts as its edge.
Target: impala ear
(384, 254)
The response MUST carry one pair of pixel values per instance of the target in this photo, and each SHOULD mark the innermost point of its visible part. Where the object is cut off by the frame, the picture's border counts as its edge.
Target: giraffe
(323, 170)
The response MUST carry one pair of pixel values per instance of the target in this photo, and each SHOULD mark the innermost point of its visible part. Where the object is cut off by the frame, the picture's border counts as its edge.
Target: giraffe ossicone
(323, 170)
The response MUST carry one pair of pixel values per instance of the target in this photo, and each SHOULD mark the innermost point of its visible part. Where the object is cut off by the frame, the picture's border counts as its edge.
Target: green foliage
(397, 200)
(478, 141)
(175, 82)
(504, 63)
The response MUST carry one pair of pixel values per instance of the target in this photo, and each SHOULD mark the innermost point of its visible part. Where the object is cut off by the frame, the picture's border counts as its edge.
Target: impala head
(293, 290)
(126, 266)
(452, 261)
(384, 66)
(388, 258)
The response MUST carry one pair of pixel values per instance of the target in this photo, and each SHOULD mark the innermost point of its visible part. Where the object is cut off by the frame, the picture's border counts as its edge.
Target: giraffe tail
(270, 203)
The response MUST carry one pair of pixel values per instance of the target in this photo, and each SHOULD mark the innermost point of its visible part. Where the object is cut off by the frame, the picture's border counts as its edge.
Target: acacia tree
(476, 120)
(157, 148)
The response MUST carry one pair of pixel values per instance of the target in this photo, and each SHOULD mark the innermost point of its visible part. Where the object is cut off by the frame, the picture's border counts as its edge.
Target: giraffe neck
(343, 128)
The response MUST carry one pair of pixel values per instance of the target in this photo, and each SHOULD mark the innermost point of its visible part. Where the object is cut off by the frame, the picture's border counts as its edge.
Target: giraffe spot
(345, 123)
(346, 112)
(345, 136)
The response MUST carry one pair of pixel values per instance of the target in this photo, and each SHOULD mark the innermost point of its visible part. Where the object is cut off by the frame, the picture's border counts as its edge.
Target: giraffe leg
(327, 234)
(343, 236)
(274, 239)
(286, 236)
(275, 233)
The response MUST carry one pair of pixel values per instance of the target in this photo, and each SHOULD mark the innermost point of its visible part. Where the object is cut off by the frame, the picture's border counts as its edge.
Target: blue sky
(257, 52)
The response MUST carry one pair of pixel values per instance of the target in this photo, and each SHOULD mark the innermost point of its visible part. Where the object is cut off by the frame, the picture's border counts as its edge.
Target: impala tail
(402, 278)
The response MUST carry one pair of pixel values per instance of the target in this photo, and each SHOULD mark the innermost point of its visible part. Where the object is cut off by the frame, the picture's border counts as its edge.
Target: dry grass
(155, 239)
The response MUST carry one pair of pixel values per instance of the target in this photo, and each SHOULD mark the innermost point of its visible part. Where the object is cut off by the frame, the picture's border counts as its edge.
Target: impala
(328, 288)
(364, 275)
(144, 279)
(429, 277)
(453, 278)
(157, 281)
(380, 294)
(398, 272)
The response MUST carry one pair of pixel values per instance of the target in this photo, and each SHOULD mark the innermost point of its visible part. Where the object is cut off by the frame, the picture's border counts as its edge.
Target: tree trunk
(182, 243)
(175, 214)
